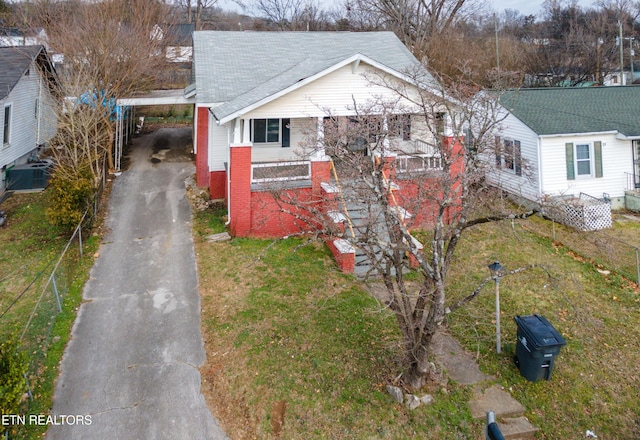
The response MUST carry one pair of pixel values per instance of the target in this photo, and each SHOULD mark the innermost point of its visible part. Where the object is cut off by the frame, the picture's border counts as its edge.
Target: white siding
(616, 160)
(334, 93)
(301, 131)
(527, 185)
(27, 132)
(218, 145)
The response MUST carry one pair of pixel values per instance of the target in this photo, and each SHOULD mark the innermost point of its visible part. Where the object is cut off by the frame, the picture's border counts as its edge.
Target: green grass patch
(29, 250)
(283, 324)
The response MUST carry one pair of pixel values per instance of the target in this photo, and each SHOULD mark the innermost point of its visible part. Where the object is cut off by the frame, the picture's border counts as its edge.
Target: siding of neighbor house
(27, 130)
(526, 185)
(616, 160)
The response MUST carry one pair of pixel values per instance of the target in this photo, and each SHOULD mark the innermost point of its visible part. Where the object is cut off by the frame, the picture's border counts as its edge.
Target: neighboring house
(260, 96)
(18, 37)
(27, 105)
(569, 141)
(178, 39)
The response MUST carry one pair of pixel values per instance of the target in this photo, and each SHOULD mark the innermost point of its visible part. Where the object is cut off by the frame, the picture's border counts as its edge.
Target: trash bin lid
(539, 332)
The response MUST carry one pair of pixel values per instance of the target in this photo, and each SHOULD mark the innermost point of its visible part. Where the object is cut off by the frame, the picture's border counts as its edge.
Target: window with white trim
(584, 160)
(270, 131)
(6, 130)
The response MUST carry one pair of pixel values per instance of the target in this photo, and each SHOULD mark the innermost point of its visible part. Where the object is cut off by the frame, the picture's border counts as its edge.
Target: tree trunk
(419, 367)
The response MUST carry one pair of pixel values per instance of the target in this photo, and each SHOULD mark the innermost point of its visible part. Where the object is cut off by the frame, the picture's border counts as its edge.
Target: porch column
(239, 190)
(319, 152)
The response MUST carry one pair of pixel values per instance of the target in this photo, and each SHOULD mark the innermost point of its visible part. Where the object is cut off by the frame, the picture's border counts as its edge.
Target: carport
(125, 120)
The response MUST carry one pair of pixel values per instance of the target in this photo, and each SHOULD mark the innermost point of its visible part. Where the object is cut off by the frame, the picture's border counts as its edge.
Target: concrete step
(494, 399)
(509, 412)
(517, 428)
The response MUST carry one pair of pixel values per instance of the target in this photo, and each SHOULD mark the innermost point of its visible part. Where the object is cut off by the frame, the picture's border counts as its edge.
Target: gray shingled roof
(552, 111)
(238, 69)
(14, 62)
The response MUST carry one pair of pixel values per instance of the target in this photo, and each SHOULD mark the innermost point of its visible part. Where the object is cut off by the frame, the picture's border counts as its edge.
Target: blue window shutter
(597, 153)
(571, 172)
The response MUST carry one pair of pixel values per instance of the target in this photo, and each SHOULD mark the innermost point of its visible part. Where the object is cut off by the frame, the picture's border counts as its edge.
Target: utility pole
(631, 54)
(598, 72)
(622, 79)
(495, 23)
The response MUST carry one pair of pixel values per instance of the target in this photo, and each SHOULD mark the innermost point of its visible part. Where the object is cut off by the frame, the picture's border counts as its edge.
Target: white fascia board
(356, 59)
(593, 133)
(624, 137)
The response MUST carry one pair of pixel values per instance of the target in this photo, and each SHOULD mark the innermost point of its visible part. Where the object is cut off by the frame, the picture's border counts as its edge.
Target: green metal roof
(565, 110)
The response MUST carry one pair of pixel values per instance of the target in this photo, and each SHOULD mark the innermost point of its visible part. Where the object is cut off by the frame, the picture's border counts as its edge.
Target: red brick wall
(218, 184)
(240, 191)
(268, 218)
(346, 262)
(202, 147)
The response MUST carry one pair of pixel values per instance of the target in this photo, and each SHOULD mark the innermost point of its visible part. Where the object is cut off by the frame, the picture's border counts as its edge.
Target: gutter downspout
(539, 140)
(228, 190)
(229, 134)
(39, 113)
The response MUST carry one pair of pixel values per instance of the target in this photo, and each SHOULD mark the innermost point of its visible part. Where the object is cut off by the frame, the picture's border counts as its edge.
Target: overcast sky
(527, 7)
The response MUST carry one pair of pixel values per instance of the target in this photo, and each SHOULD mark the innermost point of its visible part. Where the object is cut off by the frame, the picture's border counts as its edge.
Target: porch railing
(427, 157)
(280, 171)
(633, 182)
(424, 147)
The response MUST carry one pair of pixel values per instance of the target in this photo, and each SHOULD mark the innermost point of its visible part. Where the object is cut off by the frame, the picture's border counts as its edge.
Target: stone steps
(509, 412)
(461, 367)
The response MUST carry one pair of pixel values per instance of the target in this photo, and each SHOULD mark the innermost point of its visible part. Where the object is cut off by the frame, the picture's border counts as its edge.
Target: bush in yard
(69, 197)
(13, 367)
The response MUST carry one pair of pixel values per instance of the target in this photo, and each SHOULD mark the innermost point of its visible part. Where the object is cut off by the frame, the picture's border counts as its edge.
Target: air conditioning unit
(32, 175)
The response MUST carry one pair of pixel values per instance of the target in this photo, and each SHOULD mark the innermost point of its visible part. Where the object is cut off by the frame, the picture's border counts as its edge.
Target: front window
(583, 159)
(400, 126)
(266, 131)
(6, 131)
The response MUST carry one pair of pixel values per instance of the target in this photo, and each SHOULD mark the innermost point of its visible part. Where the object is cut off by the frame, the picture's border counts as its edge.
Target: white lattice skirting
(585, 213)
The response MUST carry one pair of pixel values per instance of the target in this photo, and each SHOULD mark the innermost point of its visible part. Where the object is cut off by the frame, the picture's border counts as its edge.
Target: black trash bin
(538, 344)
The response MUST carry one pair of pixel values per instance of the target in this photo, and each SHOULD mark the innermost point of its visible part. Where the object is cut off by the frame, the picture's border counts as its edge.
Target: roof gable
(556, 111)
(240, 69)
(14, 63)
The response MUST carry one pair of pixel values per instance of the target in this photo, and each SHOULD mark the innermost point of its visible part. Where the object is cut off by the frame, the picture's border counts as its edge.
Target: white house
(569, 141)
(261, 96)
(21, 37)
(27, 105)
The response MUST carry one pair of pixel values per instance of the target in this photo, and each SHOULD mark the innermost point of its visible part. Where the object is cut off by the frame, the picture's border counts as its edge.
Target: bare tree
(195, 9)
(290, 15)
(409, 185)
(114, 50)
(415, 22)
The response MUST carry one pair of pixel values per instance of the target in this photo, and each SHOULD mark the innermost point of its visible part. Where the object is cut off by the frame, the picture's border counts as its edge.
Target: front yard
(290, 338)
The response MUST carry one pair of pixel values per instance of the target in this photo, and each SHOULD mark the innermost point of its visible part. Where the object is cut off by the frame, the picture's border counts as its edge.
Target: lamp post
(497, 271)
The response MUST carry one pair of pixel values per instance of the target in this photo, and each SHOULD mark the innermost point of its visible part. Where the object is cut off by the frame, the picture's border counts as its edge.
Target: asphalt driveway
(132, 363)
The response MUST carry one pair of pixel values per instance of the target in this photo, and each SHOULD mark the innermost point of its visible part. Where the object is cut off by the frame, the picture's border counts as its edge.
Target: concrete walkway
(132, 363)
(487, 395)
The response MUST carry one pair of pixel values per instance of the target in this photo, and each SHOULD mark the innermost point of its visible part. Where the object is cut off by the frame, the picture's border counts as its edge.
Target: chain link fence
(31, 297)
(602, 246)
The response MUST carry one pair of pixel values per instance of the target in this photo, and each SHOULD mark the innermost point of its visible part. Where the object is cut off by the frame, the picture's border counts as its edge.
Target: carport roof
(157, 97)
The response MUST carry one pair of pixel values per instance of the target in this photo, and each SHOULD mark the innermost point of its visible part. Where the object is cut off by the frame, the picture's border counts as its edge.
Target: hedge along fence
(29, 315)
